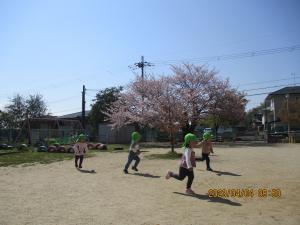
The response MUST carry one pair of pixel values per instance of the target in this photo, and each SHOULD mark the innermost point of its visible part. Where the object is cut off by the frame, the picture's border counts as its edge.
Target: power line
(283, 85)
(262, 93)
(92, 89)
(268, 81)
(232, 56)
(62, 100)
(258, 94)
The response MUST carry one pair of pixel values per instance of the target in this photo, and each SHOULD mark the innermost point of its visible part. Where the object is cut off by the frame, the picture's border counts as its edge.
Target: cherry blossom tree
(149, 102)
(182, 100)
(196, 86)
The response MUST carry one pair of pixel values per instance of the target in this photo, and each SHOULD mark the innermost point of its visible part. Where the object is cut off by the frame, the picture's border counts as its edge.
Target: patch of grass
(8, 151)
(168, 155)
(32, 157)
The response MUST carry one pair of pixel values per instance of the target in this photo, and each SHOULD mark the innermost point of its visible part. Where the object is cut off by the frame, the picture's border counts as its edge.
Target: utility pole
(83, 107)
(287, 96)
(141, 65)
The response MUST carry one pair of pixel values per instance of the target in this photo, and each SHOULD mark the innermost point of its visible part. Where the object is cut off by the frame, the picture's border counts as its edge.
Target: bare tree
(35, 106)
(16, 111)
(21, 109)
(227, 107)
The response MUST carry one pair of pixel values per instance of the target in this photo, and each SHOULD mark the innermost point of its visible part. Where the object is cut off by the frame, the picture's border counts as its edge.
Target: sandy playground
(58, 194)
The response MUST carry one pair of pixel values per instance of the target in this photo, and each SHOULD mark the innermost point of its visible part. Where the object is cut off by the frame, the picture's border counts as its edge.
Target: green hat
(135, 136)
(81, 137)
(206, 136)
(189, 137)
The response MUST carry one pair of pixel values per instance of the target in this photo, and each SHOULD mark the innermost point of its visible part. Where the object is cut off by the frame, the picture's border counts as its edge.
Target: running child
(188, 161)
(80, 148)
(134, 151)
(206, 149)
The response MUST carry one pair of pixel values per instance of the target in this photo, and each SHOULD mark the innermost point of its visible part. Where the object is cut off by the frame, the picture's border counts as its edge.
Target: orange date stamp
(244, 193)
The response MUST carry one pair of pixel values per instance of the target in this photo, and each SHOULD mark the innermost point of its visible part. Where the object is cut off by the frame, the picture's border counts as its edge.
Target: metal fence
(8, 136)
(36, 136)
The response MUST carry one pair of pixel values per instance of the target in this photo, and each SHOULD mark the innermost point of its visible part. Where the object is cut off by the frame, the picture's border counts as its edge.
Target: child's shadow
(86, 171)
(213, 199)
(201, 159)
(145, 175)
(220, 173)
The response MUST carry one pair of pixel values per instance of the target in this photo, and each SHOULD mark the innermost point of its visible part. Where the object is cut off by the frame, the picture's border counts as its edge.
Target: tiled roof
(286, 90)
(74, 115)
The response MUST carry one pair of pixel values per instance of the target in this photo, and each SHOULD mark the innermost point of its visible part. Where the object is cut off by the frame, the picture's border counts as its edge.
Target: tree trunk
(29, 132)
(172, 141)
(216, 131)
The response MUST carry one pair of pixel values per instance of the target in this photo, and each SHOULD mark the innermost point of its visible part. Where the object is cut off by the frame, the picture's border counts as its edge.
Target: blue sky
(53, 47)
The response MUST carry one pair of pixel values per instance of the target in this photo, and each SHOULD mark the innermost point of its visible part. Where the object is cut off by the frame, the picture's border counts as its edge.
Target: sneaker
(125, 171)
(189, 191)
(76, 166)
(80, 167)
(168, 176)
(134, 168)
(209, 169)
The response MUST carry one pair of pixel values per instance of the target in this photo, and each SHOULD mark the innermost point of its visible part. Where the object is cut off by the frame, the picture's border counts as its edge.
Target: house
(78, 117)
(75, 116)
(282, 111)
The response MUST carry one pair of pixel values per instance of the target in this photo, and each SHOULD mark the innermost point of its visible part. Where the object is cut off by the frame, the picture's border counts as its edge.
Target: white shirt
(187, 154)
(134, 147)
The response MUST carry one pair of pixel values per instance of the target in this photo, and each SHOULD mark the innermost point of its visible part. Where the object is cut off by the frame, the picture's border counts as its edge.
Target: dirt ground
(59, 194)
